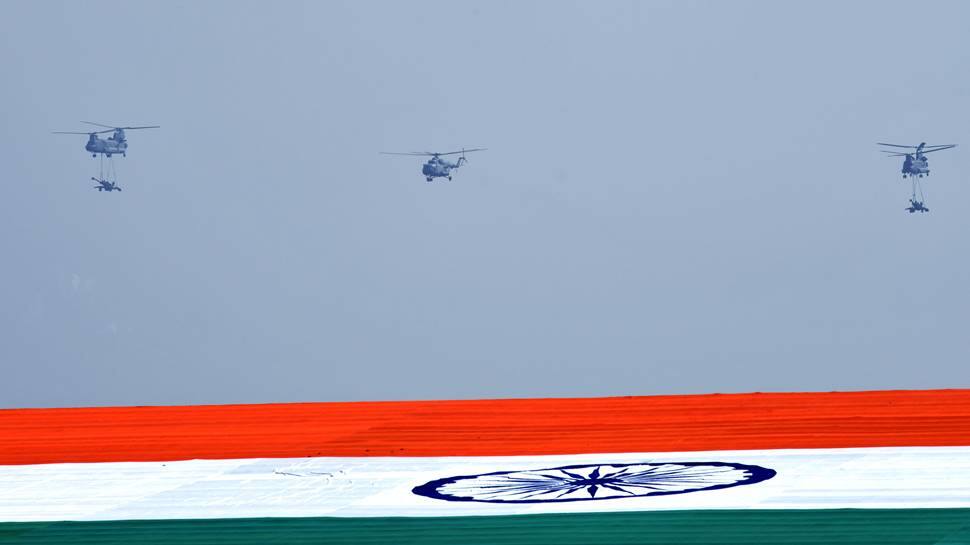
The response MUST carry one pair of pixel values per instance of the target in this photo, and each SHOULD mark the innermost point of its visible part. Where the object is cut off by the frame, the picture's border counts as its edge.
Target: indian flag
(887, 467)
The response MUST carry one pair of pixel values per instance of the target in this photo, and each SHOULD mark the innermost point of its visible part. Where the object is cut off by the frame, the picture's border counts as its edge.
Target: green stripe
(749, 527)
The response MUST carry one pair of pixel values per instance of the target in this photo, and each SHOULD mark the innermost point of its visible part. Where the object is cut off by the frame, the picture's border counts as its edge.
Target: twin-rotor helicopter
(915, 166)
(116, 143)
(436, 167)
(107, 178)
(915, 162)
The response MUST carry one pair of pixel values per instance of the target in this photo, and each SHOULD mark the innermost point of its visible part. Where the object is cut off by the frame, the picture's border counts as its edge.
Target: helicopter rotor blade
(112, 127)
(99, 124)
(432, 153)
(88, 133)
(935, 148)
(896, 145)
(462, 151)
(939, 149)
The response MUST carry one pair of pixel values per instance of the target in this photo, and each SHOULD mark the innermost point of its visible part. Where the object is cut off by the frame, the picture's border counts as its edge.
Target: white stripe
(912, 477)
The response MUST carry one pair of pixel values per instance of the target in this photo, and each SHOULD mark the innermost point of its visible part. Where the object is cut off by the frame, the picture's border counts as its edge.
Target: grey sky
(679, 197)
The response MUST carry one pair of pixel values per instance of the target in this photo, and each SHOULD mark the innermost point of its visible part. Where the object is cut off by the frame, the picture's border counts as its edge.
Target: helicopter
(116, 143)
(915, 163)
(436, 167)
(105, 185)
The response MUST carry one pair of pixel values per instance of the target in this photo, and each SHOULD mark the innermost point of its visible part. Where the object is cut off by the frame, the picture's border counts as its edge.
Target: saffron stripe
(488, 427)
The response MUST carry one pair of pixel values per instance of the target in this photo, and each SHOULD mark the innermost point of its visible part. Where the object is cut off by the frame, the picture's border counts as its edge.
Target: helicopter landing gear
(95, 155)
(449, 178)
(429, 178)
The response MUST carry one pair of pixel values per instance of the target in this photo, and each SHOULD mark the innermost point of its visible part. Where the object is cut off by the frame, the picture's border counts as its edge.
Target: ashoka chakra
(594, 482)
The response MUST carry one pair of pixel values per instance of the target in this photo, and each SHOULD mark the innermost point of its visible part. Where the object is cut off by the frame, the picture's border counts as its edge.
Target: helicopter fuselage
(438, 168)
(916, 166)
(107, 146)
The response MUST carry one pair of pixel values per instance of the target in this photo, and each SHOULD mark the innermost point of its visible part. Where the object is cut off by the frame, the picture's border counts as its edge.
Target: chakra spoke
(573, 475)
(618, 489)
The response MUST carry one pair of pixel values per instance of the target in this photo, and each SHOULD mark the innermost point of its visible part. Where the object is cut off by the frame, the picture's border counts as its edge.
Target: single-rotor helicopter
(436, 167)
(116, 143)
(915, 162)
(106, 185)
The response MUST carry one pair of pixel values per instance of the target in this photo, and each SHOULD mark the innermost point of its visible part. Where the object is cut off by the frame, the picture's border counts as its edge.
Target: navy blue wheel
(594, 482)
